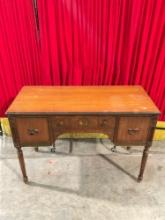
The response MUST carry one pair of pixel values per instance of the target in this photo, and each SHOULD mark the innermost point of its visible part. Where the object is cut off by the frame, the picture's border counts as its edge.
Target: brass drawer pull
(80, 122)
(60, 123)
(104, 122)
(83, 122)
(133, 131)
(32, 131)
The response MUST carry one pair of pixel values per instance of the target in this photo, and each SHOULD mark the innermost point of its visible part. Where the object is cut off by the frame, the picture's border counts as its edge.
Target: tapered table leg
(22, 164)
(143, 162)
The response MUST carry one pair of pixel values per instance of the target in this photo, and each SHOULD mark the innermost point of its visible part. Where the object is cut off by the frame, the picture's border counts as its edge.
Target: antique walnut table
(39, 114)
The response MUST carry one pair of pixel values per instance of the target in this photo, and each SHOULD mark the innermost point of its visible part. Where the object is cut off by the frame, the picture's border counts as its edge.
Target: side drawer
(32, 131)
(133, 130)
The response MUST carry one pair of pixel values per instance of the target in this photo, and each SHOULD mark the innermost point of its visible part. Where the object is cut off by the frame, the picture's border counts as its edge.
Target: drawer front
(133, 130)
(106, 122)
(83, 123)
(33, 131)
(61, 123)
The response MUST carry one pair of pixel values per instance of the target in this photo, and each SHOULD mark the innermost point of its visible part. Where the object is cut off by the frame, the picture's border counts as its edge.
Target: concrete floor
(91, 183)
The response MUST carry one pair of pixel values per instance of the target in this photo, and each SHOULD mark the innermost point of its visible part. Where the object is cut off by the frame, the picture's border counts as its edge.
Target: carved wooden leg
(22, 163)
(143, 162)
(36, 149)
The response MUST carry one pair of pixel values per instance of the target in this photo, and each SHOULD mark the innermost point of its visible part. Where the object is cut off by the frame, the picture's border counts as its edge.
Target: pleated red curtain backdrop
(103, 43)
(96, 42)
(19, 52)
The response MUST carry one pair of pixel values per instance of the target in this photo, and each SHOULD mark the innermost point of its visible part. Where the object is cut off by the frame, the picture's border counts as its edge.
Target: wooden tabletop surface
(82, 99)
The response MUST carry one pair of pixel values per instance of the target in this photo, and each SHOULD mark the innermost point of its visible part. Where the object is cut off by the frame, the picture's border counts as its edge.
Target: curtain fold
(96, 42)
(19, 49)
(107, 42)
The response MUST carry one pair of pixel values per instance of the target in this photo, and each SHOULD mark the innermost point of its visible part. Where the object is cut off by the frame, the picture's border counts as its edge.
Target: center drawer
(83, 123)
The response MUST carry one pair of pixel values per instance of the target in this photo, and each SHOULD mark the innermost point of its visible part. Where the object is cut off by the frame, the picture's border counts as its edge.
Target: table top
(82, 99)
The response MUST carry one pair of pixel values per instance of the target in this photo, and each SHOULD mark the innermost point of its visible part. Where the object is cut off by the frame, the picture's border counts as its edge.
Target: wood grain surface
(82, 99)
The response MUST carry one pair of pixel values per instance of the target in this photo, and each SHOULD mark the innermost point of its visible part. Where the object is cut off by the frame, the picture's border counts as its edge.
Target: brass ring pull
(133, 131)
(80, 122)
(32, 131)
(83, 122)
(104, 122)
(61, 123)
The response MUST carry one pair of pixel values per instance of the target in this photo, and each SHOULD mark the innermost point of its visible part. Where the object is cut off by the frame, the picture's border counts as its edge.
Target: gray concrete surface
(91, 183)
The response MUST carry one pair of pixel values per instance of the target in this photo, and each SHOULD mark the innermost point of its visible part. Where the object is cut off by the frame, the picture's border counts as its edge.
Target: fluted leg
(22, 164)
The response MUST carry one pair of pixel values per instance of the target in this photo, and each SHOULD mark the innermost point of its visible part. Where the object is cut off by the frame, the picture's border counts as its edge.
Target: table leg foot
(113, 149)
(140, 178)
(53, 149)
(25, 179)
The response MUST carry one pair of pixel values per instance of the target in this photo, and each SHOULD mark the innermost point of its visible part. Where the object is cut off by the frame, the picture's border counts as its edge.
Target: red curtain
(103, 43)
(19, 52)
(96, 42)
